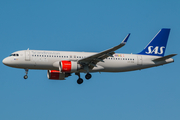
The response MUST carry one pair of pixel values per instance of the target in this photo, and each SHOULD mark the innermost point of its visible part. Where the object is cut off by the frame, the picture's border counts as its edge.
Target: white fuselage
(48, 60)
(60, 64)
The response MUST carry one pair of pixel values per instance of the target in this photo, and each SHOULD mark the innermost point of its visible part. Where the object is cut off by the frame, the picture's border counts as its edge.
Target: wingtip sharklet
(126, 38)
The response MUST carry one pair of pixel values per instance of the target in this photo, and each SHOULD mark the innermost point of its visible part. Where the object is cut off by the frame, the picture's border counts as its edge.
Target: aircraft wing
(94, 59)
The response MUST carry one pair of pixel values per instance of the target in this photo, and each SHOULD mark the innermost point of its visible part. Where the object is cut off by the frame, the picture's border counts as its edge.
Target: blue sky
(92, 26)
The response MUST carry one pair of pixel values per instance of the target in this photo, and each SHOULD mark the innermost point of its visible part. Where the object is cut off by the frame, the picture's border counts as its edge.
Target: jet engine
(69, 66)
(57, 75)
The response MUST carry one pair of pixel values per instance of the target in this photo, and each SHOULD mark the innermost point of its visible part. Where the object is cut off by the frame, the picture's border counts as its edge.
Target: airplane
(61, 64)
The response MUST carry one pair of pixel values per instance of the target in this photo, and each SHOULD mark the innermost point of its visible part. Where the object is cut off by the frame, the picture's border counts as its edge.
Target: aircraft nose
(5, 61)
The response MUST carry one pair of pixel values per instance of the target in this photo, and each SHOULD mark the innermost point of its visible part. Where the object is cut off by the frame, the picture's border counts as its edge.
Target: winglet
(126, 38)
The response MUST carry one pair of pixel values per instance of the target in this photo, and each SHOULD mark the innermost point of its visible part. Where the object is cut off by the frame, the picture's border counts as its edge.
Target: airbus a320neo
(61, 64)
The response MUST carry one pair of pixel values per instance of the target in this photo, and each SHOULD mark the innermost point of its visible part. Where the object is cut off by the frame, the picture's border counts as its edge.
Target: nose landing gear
(25, 76)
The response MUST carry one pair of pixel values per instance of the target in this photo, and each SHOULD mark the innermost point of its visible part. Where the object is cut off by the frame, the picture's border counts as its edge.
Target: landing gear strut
(25, 76)
(80, 80)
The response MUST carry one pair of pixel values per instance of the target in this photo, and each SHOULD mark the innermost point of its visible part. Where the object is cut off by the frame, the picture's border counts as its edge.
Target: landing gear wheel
(80, 81)
(88, 76)
(26, 71)
(25, 77)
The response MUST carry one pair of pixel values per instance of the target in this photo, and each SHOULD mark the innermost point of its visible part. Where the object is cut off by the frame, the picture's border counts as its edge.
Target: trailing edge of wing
(164, 58)
(104, 54)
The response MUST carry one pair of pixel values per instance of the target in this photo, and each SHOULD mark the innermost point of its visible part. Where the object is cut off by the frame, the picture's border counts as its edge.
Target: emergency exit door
(139, 60)
(27, 55)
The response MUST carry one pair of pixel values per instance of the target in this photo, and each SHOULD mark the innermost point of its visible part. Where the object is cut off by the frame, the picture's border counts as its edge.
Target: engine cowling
(69, 66)
(57, 75)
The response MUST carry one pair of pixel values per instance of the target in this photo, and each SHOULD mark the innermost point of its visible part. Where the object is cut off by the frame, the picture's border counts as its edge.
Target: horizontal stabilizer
(164, 58)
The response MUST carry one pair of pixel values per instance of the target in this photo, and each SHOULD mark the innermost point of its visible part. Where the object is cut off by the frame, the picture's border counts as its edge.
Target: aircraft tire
(80, 81)
(88, 76)
(25, 77)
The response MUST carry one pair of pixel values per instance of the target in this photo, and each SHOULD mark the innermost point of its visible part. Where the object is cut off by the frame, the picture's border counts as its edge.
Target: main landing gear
(80, 80)
(88, 76)
(25, 76)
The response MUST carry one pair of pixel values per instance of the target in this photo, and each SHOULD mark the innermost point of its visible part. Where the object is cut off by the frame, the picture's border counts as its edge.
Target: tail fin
(157, 45)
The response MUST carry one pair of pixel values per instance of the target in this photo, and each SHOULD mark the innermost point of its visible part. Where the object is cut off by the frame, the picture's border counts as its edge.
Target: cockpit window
(14, 55)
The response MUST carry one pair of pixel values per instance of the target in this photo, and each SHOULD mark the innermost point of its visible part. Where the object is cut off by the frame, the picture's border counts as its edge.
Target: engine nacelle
(69, 66)
(57, 75)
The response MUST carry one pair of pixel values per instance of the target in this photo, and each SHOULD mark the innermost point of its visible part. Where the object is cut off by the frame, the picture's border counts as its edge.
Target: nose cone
(6, 61)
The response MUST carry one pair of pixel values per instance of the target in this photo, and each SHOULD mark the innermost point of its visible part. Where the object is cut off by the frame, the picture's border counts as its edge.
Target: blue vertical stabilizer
(157, 45)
